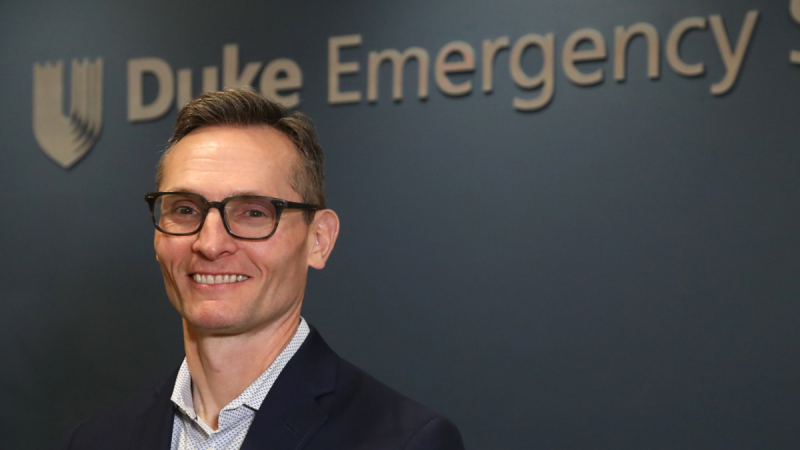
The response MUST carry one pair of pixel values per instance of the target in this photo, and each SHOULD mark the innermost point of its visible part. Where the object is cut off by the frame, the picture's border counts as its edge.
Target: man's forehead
(218, 152)
(263, 136)
(234, 143)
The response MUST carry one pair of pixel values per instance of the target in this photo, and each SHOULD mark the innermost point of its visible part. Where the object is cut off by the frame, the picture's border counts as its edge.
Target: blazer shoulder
(361, 387)
(439, 434)
(117, 423)
(384, 418)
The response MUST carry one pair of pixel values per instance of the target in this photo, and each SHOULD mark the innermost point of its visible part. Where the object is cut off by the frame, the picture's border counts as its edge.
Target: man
(240, 215)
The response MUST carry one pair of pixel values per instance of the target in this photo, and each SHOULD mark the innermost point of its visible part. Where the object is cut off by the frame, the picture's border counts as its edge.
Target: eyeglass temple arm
(295, 205)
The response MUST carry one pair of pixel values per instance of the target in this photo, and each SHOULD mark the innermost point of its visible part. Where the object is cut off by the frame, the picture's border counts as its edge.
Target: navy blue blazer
(318, 402)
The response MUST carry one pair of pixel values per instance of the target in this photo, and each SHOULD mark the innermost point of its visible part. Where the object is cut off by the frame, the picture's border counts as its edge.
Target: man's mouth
(218, 279)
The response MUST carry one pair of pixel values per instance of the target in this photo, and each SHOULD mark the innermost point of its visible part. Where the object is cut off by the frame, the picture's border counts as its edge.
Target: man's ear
(323, 233)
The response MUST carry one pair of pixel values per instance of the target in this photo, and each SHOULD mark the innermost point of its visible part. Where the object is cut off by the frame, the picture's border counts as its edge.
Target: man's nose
(213, 240)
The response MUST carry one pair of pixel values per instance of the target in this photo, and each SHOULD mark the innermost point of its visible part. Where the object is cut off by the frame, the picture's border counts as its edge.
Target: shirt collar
(255, 394)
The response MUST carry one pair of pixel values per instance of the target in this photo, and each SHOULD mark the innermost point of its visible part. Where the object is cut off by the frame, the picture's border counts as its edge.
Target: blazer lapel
(291, 413)
(154, 427)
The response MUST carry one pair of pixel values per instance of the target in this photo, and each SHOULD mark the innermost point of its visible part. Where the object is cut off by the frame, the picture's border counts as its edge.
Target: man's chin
(214, 322)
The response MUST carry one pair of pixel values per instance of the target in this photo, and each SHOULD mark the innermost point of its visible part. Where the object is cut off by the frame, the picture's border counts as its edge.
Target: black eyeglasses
(245, 216)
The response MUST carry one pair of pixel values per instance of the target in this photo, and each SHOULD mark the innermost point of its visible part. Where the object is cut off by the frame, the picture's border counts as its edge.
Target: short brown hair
(245, 107)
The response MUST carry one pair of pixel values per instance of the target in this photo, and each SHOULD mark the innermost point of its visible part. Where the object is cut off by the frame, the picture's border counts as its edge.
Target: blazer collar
(153, 429)
(288, 417)
(291, 414)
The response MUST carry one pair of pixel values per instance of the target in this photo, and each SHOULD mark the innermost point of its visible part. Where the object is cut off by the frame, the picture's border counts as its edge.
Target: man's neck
(222, 367)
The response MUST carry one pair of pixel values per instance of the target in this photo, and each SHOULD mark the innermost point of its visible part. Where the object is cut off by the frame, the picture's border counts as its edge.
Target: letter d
(137, 110)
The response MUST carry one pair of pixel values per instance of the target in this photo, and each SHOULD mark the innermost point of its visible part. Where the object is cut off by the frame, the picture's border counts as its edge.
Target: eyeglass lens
(246, 216)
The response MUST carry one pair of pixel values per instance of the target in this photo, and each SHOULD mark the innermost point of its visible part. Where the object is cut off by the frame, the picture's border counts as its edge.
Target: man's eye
(184, 210)
(254, 213)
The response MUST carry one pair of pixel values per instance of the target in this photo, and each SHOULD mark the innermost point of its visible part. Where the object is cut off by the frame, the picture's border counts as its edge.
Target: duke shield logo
(66, 139)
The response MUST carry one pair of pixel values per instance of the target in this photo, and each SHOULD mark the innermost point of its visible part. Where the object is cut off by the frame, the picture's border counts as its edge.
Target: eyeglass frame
(278, 203)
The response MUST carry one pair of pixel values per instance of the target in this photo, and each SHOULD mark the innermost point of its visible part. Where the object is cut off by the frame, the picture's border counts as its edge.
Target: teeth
(218, 279)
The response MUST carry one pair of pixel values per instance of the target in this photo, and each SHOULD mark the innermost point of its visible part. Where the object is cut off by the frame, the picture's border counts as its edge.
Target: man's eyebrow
(183, 189)
(231, 194)
(247, 192)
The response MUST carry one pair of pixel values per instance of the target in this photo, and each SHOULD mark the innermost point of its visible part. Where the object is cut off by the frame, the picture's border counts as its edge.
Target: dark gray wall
(617, 270)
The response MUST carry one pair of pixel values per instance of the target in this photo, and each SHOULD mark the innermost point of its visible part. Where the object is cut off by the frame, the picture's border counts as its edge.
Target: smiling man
(240, 215)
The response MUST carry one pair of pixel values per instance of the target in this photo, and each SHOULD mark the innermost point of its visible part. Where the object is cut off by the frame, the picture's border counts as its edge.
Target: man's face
(218, 162)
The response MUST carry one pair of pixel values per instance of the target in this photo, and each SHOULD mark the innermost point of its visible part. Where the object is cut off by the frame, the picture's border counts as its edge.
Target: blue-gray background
(618, 270)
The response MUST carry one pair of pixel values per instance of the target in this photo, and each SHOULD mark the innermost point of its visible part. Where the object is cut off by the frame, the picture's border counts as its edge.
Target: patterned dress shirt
(188, 430)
